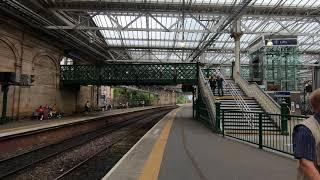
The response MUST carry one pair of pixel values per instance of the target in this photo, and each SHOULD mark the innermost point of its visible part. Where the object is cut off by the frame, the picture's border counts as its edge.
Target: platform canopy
(186, 30)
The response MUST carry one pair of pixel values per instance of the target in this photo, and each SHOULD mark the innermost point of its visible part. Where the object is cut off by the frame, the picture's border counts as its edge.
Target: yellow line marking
(151, 168)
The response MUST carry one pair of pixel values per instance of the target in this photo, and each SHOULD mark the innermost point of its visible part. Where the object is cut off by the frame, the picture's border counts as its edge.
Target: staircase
(226, 89)
(236, 122)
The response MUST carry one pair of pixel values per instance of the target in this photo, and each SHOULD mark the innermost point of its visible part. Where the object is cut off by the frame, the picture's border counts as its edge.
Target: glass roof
(163, 33)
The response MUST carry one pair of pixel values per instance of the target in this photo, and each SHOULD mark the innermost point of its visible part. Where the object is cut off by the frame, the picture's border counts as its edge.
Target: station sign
(282, 94)
(283, 42)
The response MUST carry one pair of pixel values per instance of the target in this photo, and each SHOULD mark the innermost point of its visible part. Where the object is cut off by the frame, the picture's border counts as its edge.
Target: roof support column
(316, 77)
(236, 34)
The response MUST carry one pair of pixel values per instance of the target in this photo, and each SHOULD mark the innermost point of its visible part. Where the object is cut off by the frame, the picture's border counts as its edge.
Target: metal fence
(273, 131)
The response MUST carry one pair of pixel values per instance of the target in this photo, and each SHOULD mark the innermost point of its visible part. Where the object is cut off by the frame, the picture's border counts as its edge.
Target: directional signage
(282, 94)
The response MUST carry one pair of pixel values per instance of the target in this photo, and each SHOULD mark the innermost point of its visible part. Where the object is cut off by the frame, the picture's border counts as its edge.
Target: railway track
(9, 167)
(97, 165)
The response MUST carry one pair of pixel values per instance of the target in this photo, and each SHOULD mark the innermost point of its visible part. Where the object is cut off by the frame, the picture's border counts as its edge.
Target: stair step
(230, 98)
(252, 111)
(265, 124)
(235, 103)
(256, 128)
(237, 106)
(238, 118)
(226, 117)
(244, 121)
(252, 132)
(246, 124)
(236, 88)
(228, 102)
(230, 89)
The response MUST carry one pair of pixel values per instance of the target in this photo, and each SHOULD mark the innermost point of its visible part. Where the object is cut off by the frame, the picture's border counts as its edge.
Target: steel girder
(176, 7)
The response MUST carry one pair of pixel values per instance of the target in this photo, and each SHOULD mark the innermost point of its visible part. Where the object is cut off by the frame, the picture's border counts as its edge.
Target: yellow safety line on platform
(151, 168)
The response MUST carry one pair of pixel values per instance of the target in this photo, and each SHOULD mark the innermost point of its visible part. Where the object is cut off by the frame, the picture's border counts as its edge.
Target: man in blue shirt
(305, 145)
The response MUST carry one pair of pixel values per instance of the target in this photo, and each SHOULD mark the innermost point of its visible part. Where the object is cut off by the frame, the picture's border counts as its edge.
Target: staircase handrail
(247, 112)
(253, 90)
(208, 98)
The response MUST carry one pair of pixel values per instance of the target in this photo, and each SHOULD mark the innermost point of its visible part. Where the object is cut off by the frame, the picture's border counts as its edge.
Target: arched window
(66, 61)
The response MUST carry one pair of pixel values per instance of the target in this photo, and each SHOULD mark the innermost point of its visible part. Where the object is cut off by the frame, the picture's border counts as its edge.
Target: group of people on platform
(216, 81)
(88, 108)
(47, 112)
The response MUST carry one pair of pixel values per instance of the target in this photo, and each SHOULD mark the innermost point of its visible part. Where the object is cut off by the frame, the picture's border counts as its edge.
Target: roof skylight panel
(124, 20)
(291, 3)
(312, 27)
(308, 3)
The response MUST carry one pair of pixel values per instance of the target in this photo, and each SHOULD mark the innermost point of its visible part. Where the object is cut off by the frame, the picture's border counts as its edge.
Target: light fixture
(269, 43)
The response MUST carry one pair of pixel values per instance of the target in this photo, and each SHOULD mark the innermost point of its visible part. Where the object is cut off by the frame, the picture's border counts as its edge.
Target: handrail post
(284, 118)
(193, 103)
(260, 131)
(218, 118)
(198, 72)
(223, 123)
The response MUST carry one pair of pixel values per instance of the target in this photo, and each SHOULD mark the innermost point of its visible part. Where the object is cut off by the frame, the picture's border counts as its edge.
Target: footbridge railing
(207, 112)
(130, 74)
(253, 90)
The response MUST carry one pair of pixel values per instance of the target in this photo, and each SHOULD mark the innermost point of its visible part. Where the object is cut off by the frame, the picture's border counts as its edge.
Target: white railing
(240, 102)
(208, 98)
(253, 90)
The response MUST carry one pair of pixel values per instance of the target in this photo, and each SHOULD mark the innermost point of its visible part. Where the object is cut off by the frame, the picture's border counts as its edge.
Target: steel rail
(109, 129)
(113, 143)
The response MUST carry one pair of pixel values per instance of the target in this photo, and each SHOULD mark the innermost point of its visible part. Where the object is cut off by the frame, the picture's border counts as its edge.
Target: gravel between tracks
(56, 165)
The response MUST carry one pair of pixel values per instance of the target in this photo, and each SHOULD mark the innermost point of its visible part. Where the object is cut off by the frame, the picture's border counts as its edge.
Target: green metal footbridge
(130, 74)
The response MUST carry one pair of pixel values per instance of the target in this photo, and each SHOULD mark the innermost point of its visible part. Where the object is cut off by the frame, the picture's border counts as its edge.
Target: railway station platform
(179, 147)
(24, 126)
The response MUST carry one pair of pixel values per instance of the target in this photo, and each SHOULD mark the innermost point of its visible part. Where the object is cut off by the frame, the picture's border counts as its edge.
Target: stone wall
(166, 98)
(24, 53)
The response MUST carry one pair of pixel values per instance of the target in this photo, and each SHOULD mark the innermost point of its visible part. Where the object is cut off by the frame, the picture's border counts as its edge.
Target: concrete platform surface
(32, 125)
(193, 152)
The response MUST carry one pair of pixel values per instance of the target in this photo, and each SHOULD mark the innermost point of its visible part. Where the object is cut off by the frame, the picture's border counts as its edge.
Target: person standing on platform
(306, 142)
(40, 111)
(220, 86)
(213, 84)
(87, 107)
